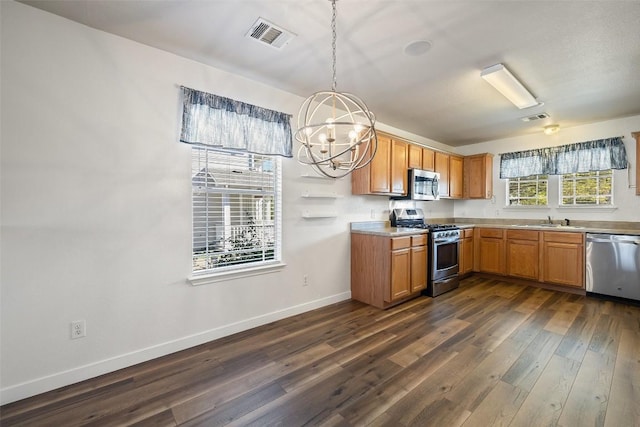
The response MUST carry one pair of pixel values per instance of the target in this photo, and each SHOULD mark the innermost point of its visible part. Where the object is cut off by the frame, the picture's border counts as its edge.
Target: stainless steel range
(443, 249)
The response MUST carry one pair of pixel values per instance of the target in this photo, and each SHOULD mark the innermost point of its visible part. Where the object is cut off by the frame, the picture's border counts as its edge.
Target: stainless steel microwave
(423, 185)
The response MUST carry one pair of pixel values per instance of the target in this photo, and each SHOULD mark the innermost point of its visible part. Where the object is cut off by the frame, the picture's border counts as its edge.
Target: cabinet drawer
(522, 234)
(467, 232)
(400, 243)
(420, 240)
(497, 233)
(563, 237)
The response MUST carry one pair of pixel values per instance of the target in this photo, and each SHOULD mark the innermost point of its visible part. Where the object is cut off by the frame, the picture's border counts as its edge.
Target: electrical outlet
(306, 280)
(78, 329)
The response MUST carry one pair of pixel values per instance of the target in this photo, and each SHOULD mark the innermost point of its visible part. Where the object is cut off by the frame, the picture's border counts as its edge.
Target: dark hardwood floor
(490, 353)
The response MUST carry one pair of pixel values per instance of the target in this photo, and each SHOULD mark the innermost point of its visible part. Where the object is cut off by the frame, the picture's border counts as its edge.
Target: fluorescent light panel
(500, 78)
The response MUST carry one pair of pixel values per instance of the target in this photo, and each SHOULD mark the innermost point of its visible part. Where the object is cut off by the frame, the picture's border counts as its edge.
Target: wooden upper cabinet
(415, 156)
(428, 159)
(636, 135)
(455, 177)
(399, 167)
(442, 167)
(387, 172)
(381, 166)
(478, 176)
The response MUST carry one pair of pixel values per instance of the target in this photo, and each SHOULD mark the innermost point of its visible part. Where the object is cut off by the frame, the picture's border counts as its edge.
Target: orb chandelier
(335, 129)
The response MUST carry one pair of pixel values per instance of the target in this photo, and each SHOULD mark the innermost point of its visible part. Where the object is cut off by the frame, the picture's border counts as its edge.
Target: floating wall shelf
(314, 176)
(308, 195)
(312, 214)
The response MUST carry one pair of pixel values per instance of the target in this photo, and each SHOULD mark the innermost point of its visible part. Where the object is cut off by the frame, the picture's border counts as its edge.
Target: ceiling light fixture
(551, 129)
(335, 129)
(500, 78)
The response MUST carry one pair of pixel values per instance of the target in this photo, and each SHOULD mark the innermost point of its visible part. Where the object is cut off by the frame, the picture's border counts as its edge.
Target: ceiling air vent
(535, 117)
(269, 33)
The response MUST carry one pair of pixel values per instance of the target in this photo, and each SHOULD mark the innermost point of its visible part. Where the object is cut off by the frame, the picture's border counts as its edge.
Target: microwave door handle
(434, 187)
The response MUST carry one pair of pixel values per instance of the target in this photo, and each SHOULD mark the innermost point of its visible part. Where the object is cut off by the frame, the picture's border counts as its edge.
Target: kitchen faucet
(550, 222)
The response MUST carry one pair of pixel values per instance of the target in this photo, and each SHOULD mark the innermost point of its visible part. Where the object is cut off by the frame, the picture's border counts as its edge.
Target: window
(587, 188)
(527, 191)
(236, 209)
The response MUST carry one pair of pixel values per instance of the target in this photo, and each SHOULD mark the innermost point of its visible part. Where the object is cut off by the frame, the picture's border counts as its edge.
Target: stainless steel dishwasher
(613, 265)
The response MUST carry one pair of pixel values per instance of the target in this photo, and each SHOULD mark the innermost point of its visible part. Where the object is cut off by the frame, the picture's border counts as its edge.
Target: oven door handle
(439, 241)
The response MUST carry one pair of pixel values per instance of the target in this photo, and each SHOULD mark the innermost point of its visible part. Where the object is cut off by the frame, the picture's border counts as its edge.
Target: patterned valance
(601, 154)
(220, 122)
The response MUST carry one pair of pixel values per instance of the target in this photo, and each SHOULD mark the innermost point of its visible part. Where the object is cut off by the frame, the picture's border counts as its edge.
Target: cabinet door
(523, 258)
(398, 167)
(563, 263)
(418, 268)
(466, 255)
(455, 177)
(380, 181)
(428, 159)
(415, 156)
(400, 275)
(491, 255)
(442, 167)
(478, 176)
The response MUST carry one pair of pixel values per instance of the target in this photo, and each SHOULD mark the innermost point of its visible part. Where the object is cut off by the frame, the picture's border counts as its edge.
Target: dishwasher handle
(613, 238)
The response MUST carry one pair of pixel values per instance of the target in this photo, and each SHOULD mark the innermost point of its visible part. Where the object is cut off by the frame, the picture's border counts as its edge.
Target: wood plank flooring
(492, 353)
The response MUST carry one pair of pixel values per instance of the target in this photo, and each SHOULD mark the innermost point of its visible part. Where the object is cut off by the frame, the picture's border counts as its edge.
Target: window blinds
(235, 208)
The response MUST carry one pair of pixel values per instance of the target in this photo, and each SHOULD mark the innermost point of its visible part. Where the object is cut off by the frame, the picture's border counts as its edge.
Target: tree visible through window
(235, 199)
(587, 188)
(528, 191)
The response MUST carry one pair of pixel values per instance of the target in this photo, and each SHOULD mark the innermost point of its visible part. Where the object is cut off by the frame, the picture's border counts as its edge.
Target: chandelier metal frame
(336, 130)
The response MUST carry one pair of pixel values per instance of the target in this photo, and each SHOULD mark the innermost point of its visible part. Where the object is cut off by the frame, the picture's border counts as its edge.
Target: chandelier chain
(333, 45)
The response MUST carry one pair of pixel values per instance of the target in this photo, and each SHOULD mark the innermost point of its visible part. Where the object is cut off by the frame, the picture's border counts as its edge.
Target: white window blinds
(236, 209)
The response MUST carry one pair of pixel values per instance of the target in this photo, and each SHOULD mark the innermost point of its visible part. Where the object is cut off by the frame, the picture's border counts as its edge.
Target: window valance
(220, 122)
(601, 154)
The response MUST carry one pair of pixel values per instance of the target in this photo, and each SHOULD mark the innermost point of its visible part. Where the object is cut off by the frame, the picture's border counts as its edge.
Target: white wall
(96, 211)
(627, 204)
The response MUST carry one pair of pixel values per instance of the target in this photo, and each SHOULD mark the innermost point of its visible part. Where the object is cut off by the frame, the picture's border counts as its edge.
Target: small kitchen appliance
(423, 185)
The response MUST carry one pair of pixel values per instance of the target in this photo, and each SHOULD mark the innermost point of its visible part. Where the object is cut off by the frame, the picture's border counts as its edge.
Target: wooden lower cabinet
(400, 285)
(466, 251)
(418, 268)
(490, 250)
(523, 254)
(553, 257)
(387, 270)
(563, 258)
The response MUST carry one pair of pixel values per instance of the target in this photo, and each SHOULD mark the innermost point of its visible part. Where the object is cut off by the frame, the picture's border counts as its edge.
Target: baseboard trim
(92, 370)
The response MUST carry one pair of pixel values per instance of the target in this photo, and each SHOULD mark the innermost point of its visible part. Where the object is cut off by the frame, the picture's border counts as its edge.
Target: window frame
(520, 180)
(561, 196)
(210, 273)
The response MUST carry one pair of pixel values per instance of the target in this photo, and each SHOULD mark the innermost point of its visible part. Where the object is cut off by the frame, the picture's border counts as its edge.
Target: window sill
(587, 208)
(223, 276)
(527, 207)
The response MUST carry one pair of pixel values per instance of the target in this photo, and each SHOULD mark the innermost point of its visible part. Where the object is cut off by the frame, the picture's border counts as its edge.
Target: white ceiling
(580, 58)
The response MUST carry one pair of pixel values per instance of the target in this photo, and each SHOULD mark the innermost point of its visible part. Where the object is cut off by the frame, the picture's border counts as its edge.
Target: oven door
(445, 253)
